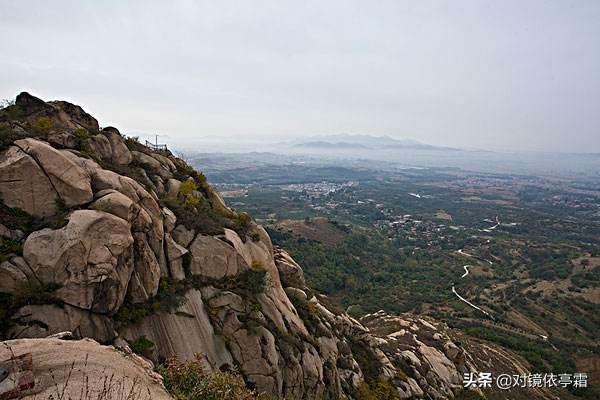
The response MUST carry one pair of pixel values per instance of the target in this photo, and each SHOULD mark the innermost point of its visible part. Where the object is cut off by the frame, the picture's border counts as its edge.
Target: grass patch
(188, 381)
(142, 346)
(377, 390)
(42, 125)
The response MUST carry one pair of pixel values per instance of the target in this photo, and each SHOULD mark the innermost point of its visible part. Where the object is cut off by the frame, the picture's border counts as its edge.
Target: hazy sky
(483, 74)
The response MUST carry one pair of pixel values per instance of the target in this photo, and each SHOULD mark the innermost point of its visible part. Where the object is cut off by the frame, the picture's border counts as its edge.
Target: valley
(490, 254)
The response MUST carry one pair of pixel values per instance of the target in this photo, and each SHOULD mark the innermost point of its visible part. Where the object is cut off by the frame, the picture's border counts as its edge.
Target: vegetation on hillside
(189, 381)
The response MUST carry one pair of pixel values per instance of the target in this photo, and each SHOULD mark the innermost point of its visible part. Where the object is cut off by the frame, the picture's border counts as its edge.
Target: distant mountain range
(320, 144)
(363, 142)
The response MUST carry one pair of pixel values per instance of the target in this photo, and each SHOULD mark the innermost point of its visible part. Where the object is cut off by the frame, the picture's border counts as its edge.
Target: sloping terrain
(112, 240)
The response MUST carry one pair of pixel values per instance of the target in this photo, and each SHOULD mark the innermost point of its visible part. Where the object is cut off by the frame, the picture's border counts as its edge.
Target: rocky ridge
(110, 240)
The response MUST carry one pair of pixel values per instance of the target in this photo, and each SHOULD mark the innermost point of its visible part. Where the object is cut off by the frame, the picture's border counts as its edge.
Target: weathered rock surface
(175, 253)
(144, 281)
(73, 114)
(214, 259)
(290, 273)
(115, 203)
(12, 277)
(100, 371)
(90, 258)
(120, 154)
(184, 333)
(24, 185)
(70, 181)
(39, 321)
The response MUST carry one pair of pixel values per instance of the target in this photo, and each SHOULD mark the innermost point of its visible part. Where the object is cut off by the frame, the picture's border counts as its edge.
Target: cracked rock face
(70, 181)
(184, 333)
(89, 258)
(24, 185)
(34, 176)
(215, 259)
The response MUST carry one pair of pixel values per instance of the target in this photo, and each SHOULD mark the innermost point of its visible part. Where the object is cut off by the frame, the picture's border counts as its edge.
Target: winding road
(471, 304)
(466, 268)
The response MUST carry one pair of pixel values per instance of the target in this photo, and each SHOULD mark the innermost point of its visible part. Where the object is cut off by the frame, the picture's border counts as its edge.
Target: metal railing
(156, 146)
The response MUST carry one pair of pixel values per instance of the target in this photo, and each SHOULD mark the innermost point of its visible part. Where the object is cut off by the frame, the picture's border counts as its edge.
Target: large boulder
(290, 273)
(158, 165)
(173, 186)
(24, 185)
(183, 235)
(116, 203)
(120, 154)
(90, 258)
(170, 220)
(256, 353)
(258, 253)
(71, 113)
(214, 259)
(151, 220)
(29, 104)
(78, 369)
(217, 202)
(100, 146)
(70, 181)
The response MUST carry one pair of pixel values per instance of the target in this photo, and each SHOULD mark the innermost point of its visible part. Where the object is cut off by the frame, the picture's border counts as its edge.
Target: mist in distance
(246, 75)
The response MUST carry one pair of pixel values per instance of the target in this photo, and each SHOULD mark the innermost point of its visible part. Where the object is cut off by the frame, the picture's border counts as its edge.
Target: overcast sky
(478, 74)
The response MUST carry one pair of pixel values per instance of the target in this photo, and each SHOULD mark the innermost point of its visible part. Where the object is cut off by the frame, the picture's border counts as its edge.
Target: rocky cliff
(110, 240)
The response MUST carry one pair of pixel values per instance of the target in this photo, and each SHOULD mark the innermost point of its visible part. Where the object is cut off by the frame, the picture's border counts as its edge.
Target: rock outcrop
(122, 242)
(88, 259)
(77, 369)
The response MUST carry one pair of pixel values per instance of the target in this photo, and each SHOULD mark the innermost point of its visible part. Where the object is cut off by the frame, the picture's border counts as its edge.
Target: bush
(82, 133)
(192, 201)
(188, 381)
(133, 143)
(169, 297)
(142, 346)
(184, 171)
(241, 224)
(251, 280)
(30, 293)
(42, 125)
(378, 390)
(187, 187)
(201, 218)
(355, 311)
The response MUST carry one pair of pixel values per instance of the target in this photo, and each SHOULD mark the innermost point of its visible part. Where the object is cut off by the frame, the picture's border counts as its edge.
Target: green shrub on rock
(142, 346)
(188, 381)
